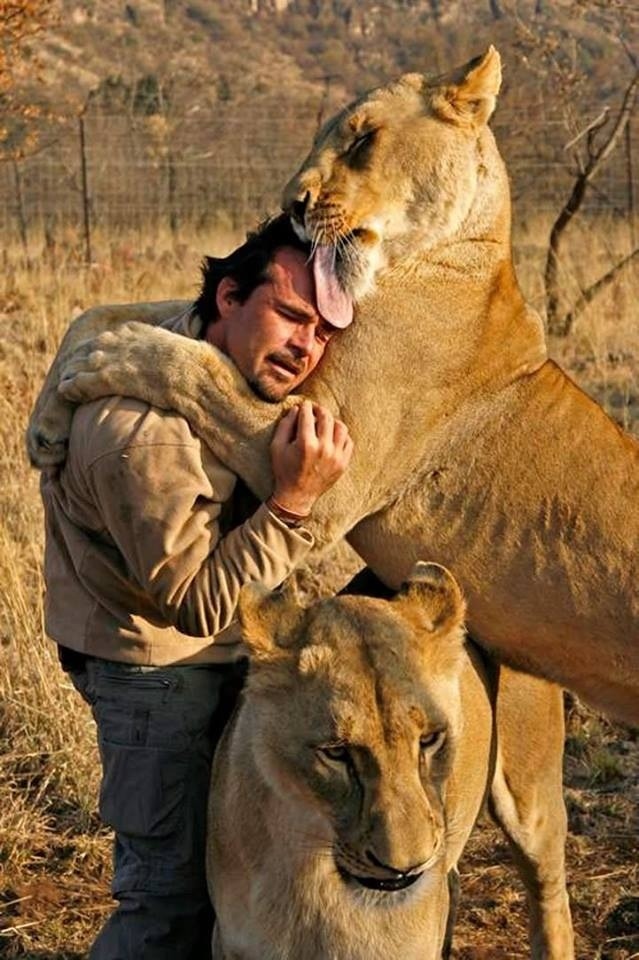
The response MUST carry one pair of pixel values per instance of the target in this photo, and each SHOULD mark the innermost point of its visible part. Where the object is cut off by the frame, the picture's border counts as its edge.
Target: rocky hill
(190, 54)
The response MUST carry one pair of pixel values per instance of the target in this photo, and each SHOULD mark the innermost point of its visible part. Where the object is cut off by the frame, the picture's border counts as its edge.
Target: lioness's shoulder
(106, 316)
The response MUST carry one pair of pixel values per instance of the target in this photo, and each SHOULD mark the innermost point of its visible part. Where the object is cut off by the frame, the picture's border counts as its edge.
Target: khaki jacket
(138, 566)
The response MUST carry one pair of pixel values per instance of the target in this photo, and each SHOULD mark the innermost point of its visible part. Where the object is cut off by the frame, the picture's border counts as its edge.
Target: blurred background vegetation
(137, 136)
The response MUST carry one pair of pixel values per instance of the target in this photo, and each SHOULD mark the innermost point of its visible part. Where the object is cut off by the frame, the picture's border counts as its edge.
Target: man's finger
(348, 451)
(324, 422)
(286, 429)
(306, 432)
(340, 434)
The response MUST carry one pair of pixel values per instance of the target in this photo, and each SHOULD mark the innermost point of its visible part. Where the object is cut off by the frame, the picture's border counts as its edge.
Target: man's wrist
(291, 518)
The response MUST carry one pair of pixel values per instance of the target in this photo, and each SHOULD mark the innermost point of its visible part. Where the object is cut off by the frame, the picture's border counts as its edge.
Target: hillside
(201, 52)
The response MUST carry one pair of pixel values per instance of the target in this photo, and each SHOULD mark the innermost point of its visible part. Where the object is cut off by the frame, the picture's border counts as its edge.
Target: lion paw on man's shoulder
(47, 436)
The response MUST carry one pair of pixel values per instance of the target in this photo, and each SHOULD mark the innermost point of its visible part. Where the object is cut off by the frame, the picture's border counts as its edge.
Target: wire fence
(228, 168)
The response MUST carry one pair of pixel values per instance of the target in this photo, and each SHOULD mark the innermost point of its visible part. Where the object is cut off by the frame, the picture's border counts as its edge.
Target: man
(144, 564)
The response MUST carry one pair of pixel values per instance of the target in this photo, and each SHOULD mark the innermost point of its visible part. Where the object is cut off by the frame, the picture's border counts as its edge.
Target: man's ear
(225, 298)
(432, 600)
(270, 621)
(468, 95)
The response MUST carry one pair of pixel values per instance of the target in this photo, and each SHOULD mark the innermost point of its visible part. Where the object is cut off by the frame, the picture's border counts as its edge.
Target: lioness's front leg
(196, 380)
(50, 423)
(186, 375)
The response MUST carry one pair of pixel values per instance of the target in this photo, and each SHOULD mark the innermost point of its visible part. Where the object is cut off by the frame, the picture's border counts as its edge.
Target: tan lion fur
(290, 827)
(471, 447)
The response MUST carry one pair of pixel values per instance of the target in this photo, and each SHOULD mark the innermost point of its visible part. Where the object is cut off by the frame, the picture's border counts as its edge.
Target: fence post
(630, 186)
(243, 167)
(22, 217)
(324, 101)
(86, 212)
(172, 193)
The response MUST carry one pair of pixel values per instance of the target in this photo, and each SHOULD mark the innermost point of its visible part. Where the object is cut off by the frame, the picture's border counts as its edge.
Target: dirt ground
(602, 797)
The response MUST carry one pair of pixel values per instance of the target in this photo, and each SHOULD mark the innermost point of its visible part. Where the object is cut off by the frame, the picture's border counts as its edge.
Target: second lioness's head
(354, 707)
(407, 165)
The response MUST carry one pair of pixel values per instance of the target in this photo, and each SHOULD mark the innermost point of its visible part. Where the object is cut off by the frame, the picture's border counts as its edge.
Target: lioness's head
(355, 705)
(409, 165)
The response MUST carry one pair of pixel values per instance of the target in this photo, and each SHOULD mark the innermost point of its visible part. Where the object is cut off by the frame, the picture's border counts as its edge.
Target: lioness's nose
(293, 191)
(303, 188)
(399, 871)
(298, 208)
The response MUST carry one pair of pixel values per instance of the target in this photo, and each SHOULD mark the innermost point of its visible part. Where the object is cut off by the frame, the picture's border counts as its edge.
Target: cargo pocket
(143, 789)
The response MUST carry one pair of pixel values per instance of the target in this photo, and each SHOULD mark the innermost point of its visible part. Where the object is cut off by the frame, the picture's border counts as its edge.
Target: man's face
(277, 336)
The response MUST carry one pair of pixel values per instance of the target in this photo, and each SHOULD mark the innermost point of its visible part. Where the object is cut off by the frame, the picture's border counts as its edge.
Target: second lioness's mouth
(393, 885)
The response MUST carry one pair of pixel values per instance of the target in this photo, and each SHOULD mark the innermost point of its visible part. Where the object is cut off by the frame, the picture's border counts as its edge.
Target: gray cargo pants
(157, 729)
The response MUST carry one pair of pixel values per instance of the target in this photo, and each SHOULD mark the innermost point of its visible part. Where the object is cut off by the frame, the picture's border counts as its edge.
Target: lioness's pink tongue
(334, 303)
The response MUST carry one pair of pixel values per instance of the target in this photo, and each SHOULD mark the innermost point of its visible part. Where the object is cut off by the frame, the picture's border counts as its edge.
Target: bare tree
(20, 22)
(556, 55)
(590, 156)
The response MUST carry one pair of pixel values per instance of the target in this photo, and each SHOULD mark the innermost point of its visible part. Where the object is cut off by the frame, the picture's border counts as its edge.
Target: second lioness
(349, 779)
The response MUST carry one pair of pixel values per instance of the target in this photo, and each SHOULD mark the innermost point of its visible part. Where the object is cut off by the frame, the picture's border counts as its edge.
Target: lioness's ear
(432, 599)
(468, 95)
(270, 621)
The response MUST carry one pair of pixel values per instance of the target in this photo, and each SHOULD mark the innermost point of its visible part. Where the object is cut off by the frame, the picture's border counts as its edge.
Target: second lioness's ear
(432, 600)
(270, 622)
(468, 95)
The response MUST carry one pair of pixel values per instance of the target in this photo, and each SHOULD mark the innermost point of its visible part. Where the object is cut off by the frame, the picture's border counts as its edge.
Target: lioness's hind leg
(526, 799)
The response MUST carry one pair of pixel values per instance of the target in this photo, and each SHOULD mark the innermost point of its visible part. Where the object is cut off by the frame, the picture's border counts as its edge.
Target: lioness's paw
(48, 434)
(45, 451)
(84, 387)
(103, 366)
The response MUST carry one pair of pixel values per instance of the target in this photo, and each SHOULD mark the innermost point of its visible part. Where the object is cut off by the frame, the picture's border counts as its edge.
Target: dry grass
(54, 858)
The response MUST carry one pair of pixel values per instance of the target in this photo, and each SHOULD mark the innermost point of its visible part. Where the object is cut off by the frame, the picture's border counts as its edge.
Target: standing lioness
(471, 447)
(350, 777)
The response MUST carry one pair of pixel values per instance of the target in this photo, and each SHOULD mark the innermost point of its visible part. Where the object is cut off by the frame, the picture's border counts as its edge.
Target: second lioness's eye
(428, 742)
(337, 753)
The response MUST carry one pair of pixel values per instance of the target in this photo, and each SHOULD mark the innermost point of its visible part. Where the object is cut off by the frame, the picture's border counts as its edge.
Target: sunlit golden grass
(48, 760)
(54, 858)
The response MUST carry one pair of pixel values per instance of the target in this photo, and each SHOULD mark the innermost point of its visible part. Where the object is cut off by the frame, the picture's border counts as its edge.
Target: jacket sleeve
(161, 510)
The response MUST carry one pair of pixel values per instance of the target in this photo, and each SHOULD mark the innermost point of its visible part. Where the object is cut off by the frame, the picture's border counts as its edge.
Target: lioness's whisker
(315, 239)
(346, 248)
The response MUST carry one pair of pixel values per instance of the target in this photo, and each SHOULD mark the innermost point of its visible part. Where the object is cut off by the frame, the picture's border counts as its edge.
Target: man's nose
(303, 339)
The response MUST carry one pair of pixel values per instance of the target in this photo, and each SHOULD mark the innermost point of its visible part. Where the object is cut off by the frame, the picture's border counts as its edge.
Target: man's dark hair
(247, 266)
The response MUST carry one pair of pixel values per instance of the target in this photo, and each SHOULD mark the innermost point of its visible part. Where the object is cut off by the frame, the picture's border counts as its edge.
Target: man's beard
(267, 391)
(267, 388)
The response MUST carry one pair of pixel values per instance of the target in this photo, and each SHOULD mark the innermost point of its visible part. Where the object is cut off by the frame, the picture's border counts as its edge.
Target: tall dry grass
(48, 761)
(53, 855)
